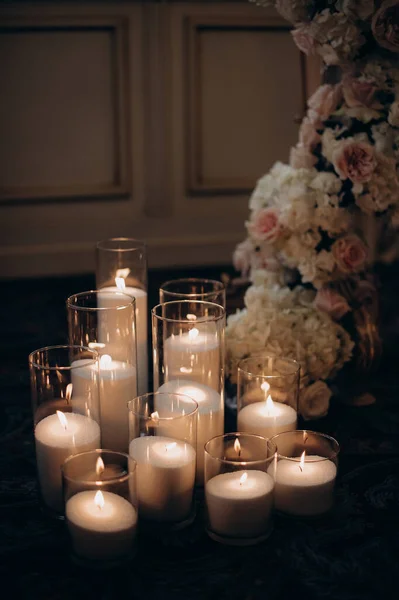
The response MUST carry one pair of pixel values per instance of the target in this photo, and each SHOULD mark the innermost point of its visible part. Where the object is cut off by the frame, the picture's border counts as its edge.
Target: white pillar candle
(267, 418)
(239, 504)
(57, 437)
(304, 486)
(210, 416)
(102, 525)
(165, 477)
(194, 355)
(107, 298)
(118, 385)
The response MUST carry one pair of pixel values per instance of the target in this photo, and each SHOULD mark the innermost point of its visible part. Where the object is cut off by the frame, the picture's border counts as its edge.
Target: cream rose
(242, 257)
(265, 225)
(359, 93)
(302, 158)
(350, 253)
(354, 160)
(331, 302)
(314, 400)
(323, 103)
(308, 136)
(303, 39)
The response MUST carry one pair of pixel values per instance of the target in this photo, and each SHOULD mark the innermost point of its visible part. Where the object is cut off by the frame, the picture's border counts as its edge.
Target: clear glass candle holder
(106, 321)
(239, 490)
(267, 395)
(188, 355)
(101, 506)
(121, 266)
(66, 413)
(305, 472)
(208, 290)
(163, 430)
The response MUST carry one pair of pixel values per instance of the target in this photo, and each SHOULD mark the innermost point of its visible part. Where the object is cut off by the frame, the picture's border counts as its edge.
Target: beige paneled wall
(139, 119)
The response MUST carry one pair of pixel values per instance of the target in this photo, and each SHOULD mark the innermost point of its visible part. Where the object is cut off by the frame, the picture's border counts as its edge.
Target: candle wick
(300, 468)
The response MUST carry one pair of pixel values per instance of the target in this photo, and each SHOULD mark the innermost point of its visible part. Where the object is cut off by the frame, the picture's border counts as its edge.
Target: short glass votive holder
(66, 413)
(188, 352)
(238, 488)
(101, 507)
(267, 395)
(163, 431)
(304, 473)
(121, 266)
(106, 321)
(192, 288)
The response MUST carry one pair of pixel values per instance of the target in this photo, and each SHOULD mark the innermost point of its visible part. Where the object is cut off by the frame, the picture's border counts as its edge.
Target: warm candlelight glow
(243, 478)
(105, 361)
(305, 436)
(99, 500)
(155, 416)
(193, 333)
(123, 273)
(191, 317)
(68, 393)
(120, 283)
(237, 446)
(265, 387)
(100, 466)
(95, 345)
(63, 419)
(195, 393)
(186, 370)
(302, 461)
(270, 408)
(170, 446)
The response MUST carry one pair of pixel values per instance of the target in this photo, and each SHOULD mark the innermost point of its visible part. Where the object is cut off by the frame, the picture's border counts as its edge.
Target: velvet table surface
(353, 553)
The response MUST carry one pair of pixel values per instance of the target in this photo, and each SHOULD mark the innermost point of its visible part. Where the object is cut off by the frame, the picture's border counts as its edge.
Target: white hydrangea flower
(328, 183)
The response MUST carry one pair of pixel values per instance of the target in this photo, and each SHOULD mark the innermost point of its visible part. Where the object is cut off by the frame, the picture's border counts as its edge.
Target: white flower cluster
(284, 323)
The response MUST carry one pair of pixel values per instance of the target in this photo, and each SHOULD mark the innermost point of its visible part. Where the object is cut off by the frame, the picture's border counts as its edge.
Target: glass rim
(136, 244)
(291, 361)
(207, 319)
(173, 418)
(132, 302)
(335, 444)
(99, 482)
(241, 434)
(93, 351)
(220, 286)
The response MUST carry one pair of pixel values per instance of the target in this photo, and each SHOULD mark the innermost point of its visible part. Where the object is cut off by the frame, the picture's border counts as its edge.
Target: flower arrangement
(310, 224)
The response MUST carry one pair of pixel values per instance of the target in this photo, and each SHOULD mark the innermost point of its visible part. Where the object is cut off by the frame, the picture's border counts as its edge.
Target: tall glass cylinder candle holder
(304, 473)
(112, 331)
(207, 290)
(66, 412)
(121, 266)
(188, 354)
(101, 506)
(162, 430)
(238, 488)
(267, 395)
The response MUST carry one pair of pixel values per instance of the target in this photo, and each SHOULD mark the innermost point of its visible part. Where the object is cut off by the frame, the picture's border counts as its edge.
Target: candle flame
(63, 419)
(122, 273)
(270, 409)
(191, 317)
(265, 386)
(155, 416)
(193, 333)
(302, 461)
(105, 361)
(170, 446)
(243, 478)
(68, 392)
(100, 466)
(95, 345)
(237, 446)
(186, 370)
(99, 500)
(120, 283)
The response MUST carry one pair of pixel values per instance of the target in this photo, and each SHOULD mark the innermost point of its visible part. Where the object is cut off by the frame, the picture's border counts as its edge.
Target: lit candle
(266, 418)
(239, 504)
(304, 486)
(210, 419)
(57, 437)
(118, 385)
(107, 298)
(194, 355)
(102, 525)
(165, 477)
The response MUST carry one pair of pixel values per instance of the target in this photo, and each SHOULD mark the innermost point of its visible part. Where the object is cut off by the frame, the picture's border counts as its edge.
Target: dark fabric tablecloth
(353, 553)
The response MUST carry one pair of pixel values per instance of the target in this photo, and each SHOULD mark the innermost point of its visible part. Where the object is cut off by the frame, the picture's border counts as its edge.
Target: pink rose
(242, 257)
(355, 161)
(350, 253)
(264, 224)
(303, 39)
(329, 301)
(385, 25)
(302, 158)
(324, 102)
(359, 93)
(308, 136)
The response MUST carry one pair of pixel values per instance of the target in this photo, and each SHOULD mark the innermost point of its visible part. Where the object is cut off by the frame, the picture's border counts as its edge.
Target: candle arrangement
(110, 457)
